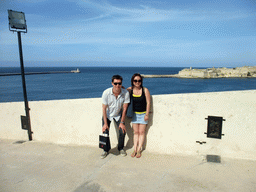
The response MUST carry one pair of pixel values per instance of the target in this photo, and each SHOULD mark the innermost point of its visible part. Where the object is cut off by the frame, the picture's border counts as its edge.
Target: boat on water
(76, 71)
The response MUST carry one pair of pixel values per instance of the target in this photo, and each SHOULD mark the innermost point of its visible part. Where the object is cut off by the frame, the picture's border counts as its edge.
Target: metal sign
(24, 122)
(214, 128)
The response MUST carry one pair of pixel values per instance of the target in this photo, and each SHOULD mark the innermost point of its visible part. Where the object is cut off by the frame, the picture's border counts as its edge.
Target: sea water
(92, 81)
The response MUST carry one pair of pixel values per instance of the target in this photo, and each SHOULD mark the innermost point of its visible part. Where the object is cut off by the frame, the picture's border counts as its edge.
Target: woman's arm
(147, 94)
(129, 89)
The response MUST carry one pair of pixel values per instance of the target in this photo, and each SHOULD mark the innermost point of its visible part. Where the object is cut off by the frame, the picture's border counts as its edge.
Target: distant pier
(160, 76)
(40, 73)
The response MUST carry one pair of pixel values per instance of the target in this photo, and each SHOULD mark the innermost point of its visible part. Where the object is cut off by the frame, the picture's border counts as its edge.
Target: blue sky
(177, 33)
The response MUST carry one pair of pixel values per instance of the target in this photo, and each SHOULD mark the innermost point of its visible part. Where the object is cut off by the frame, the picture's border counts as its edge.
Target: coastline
(238, 72)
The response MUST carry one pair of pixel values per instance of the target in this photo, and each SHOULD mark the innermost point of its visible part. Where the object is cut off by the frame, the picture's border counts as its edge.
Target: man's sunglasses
(117, 83)
(137, 81)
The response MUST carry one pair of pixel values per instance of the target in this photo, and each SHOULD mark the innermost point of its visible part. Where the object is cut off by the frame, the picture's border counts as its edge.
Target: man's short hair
(117, 77)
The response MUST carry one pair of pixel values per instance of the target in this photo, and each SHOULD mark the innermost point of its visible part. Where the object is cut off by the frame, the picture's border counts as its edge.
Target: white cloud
(151, 14)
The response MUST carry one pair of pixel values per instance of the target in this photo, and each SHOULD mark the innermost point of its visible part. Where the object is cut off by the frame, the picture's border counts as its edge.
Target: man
(115, 102)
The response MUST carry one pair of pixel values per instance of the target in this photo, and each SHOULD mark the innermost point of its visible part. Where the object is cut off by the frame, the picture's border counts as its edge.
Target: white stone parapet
(177, 123)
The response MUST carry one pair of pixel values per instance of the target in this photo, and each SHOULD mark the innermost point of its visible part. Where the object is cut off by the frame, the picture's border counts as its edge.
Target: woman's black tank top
(139, 103)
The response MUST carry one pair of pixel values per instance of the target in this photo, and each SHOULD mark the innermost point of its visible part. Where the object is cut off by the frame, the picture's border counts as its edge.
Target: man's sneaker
(104, 154)
(123, 153)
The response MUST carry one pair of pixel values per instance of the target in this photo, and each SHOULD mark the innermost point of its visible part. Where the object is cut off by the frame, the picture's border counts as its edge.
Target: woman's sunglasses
(137, 81)
(117, 83)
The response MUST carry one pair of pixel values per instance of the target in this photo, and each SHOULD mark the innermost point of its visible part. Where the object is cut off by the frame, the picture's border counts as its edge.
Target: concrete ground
(34, 166)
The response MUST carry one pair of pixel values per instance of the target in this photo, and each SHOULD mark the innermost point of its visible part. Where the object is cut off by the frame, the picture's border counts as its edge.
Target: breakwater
(160, 76)
(40, 73)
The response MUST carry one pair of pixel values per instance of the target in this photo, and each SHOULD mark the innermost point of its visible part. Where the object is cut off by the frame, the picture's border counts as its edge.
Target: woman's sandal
(138, 154)
(133, 154)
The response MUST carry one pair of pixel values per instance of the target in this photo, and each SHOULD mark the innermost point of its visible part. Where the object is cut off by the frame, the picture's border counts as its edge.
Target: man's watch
(123, 122)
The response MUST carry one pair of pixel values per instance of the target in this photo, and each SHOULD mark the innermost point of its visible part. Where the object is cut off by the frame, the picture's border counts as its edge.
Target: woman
(141, 107)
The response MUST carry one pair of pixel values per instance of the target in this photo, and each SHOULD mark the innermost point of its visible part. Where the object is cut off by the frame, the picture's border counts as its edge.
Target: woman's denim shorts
(139, 118)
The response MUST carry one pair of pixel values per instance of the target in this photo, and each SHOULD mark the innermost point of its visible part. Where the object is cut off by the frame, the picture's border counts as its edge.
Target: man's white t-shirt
(115, 105)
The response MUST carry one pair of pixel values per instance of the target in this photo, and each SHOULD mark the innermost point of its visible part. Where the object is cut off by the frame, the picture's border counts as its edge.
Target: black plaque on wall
(214, 128)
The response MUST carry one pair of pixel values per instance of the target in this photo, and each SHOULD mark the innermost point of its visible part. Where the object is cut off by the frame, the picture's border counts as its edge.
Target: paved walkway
(34, 166)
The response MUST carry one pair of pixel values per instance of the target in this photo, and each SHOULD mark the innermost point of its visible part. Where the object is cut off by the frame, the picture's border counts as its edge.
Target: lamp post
(17, 23)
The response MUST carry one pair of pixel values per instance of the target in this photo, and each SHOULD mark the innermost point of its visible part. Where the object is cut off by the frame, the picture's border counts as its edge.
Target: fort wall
(218, 72)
